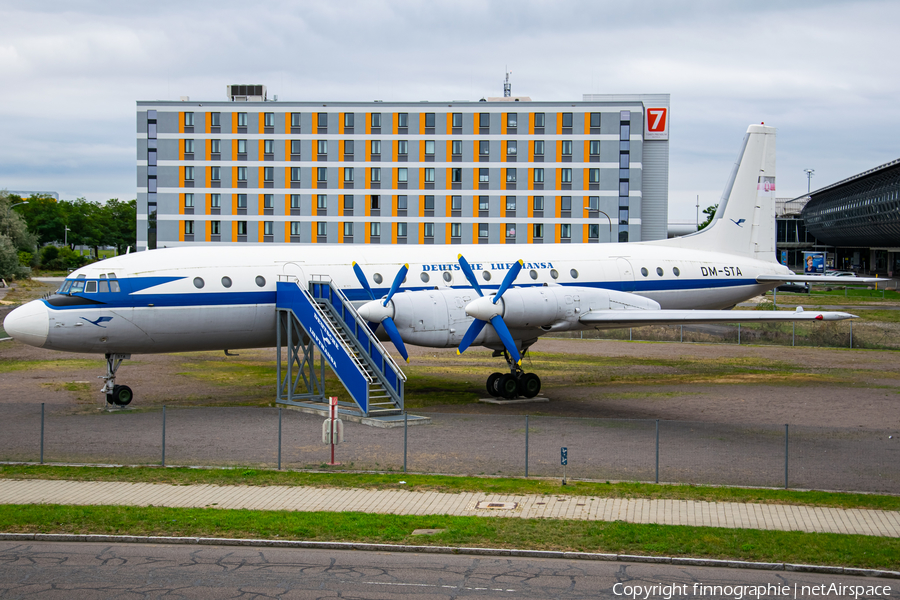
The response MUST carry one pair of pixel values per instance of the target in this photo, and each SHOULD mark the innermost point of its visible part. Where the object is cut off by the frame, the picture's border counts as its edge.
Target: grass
(496, 532)
(450, 484)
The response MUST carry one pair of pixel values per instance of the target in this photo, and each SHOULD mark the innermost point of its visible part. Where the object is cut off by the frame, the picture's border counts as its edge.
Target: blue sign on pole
(563, 456)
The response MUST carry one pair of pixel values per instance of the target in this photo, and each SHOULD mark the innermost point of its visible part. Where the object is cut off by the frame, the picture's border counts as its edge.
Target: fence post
(526, 446)
(785, 456)
(279, 438)
(657, 451)
(851, 334)
(42, 433)
(629, 334)
(164, 438)
(682, 334)
(405, 429)
(793, 332)
(739, 334)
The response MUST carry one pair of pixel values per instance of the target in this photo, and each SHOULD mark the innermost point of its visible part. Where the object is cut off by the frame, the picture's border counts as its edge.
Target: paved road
(51, 570)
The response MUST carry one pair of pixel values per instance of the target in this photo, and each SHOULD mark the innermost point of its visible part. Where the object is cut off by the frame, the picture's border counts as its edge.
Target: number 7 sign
(656, 124)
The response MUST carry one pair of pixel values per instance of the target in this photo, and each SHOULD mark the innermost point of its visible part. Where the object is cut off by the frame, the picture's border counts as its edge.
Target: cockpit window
(114, 285)
(112, 276)
(104, 286)
(77, 286)
(91, 287)
(102, 275)
(64, 288)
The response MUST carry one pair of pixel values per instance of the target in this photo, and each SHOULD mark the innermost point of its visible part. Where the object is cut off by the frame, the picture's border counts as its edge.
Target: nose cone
(483, 308)
(29, 324)
(375, 312)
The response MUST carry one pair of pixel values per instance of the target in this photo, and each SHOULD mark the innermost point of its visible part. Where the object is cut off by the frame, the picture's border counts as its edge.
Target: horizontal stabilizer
(823, 279)
(618, 319)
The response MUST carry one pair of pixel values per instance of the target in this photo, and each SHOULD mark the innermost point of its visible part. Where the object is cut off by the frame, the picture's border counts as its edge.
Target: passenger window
(644, 271)
(533, 274)
(91, 287)
(260, 281)
(676, 271)
(226, 282)
(198, 282)
(447, 276)
(377, 277)
(424, 277)
(659, 271)
(574, 274)
(486, 275)
(554, 273)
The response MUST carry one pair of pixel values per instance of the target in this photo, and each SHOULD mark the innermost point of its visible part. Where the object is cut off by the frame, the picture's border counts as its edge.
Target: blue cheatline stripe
(226, 298)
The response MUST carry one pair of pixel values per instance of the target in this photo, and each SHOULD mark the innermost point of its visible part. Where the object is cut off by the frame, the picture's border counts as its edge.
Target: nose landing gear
(516, 383)
(118, 395)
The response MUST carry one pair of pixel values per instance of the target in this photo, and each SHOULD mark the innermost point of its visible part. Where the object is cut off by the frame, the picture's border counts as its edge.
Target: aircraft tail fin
(744, 222)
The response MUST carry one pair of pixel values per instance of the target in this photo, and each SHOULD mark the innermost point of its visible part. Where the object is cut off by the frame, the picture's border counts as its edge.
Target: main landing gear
(515, 383)
(117, 395)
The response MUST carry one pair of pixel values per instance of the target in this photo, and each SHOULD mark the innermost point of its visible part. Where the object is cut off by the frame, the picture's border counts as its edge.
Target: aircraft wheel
(122, 395)
(529, 385)
(508, 386)
(492, 382)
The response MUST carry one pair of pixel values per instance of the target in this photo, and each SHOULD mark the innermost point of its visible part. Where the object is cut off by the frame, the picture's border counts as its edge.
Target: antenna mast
(507, 86)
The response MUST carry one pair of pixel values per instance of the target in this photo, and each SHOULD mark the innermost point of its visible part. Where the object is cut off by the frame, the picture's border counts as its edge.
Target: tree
(122, 224)
(46, 219)
(710, 212)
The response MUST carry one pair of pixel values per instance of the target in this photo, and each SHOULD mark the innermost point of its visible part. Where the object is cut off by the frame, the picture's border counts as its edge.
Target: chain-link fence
(471, 444)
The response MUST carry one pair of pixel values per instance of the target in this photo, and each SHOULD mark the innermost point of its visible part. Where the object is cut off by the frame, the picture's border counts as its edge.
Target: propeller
(376, 314)
(492, 314)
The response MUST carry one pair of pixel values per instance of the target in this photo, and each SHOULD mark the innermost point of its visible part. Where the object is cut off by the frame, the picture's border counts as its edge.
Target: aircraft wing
(816, 279)
(617, 319)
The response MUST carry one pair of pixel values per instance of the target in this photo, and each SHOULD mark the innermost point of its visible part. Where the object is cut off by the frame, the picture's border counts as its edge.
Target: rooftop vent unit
(246, 93)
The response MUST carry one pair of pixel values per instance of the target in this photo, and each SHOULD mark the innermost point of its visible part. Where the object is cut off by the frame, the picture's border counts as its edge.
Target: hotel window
(322, 146)
(402, 175)
(321, 173)
(565, 231)
(429, 203)
(348, 174)
(189, 228)
(376, 175)
(242, 119)
(215, 146)
(483, 230)
(593, 231)
(188, 119)
(267, 227)
(565, 203)
(455, 230)
(511, 147)
(429, 175)
(595, 147)
(401, 230)
(510, 203)
(269, 147)
(456, 203)
(295, 147)
(402, 202)
(295, 119)
(322, 119)
(457, 120)
(484, 147)
(594, 203)
(538, 203)
(566, 175)
(269, 174)
(456, 175)
(538, 119)
(348, 119)
(269, 119)
(242, 173)
(402, 147)
(429, 147)
(348, 229)
(295, 227)
(538, 147)
(623, 160)
(188, 146)
(402, 120)
(375, 146)
(429, 119)
(242, 200)
(375, 229)
(348, 202)
(484, 119)
(215, 119)
(376, 119)
(623, 188)
(322, 202)
(428, 230)
(268, 201)
(567, 120)
(295, 200)
(321, 229)
(594, 176)
(215, 227)
(484, 202)
(538, 230)
(567, 148)
(189, 200)
(189, 173)
(511, 231)
(595, 120)
(242, 146)
(295, 174)
(539, 176)
(375, 202)
(624, 132)
(484, 175)
(242, 227)
(456, 147)
(215, 200)
(510, 176)
(512, 120)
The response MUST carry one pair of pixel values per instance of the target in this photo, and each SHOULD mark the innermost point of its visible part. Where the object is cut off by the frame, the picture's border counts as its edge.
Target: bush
(10, 267)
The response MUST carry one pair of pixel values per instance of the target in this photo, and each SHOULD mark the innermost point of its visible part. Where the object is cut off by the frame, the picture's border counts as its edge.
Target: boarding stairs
(319, 315)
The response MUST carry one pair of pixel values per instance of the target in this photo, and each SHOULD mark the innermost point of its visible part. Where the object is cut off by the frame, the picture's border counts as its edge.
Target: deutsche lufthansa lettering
(483, 266)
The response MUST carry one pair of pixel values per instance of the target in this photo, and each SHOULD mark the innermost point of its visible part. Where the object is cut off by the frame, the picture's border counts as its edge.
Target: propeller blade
(471, 333)
(506, 337)
(373, 326)
(391, 328)
(508, 280)
(467, 271)
(362, 279)
(401, 274)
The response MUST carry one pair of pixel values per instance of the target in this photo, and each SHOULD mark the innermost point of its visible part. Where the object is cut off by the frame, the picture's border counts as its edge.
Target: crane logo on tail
(739, 222)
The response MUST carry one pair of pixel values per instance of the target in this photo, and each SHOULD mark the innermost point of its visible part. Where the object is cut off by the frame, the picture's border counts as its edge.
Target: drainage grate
(485, 505)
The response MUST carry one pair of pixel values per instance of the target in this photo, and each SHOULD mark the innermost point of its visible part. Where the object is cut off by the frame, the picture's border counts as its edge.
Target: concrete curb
(256, 543)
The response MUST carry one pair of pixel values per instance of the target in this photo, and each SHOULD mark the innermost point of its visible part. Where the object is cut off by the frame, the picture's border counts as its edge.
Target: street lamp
(809, 174)
(590, 209)
(66, 236)
(9, 208)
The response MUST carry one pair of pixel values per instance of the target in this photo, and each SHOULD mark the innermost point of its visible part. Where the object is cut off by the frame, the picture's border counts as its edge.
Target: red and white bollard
(333, 429)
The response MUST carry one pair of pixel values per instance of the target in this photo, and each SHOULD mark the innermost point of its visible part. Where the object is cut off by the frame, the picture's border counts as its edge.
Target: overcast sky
(824, 73)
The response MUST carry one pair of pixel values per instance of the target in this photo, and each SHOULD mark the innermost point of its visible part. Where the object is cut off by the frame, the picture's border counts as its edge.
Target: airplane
(503, 297)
